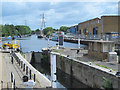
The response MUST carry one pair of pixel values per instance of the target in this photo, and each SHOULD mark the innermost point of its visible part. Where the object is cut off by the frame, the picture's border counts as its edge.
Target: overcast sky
(56, 14)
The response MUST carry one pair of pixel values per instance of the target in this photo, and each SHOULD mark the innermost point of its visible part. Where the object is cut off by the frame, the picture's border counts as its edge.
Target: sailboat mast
(42, 23)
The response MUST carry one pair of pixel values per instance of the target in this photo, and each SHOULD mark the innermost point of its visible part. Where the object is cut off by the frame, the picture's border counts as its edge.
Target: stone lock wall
(87, 74)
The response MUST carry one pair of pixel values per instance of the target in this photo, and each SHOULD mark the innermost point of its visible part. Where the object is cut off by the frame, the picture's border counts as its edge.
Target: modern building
(97, 26)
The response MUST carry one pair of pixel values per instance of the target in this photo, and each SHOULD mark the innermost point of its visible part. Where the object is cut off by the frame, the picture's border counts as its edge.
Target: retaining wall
(91, 75)
(33, 57)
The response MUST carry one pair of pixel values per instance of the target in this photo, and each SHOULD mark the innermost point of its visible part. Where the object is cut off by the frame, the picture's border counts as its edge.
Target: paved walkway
(7, 68)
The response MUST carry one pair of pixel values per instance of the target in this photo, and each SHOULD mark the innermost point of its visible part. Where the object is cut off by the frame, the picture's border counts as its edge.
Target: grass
(56, 50)
(21, 53)
(103, 66)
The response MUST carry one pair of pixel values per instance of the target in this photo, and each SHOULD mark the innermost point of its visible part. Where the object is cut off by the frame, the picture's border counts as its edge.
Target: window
(85, 31)
(98, 21)
(79, 31)
(105, 47)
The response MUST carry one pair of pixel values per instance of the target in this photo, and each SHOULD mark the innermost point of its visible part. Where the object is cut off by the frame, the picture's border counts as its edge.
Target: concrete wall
(88, 74)
(28, 56)
(37, 57)
(33, 57)
(97, 54)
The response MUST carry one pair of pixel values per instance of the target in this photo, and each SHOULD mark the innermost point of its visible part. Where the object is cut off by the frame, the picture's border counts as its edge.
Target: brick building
(97, 26)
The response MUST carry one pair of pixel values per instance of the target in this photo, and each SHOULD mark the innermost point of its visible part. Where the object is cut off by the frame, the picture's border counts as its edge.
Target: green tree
(64, 28)
(11, 30)
(48, 31)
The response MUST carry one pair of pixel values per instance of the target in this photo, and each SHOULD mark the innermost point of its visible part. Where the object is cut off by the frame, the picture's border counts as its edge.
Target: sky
(57, 14)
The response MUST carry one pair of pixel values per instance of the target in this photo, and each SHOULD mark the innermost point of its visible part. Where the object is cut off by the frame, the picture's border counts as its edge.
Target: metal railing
(93, 37)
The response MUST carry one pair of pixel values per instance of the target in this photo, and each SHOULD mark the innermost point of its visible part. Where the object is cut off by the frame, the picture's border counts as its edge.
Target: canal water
(32, 43)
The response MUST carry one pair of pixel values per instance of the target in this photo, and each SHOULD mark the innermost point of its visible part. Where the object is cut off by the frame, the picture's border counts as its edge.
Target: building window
(85, 31)
(95, 46)
(98, 21)
(95, 31)
(105, 47)
(79, 31)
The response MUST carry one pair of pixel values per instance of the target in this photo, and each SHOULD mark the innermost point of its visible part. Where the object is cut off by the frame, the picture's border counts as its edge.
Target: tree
(64, 28)
(48, 31)
(11, 30)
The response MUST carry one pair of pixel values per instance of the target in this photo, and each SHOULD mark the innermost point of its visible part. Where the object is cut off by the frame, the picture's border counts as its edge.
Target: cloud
(56, 14)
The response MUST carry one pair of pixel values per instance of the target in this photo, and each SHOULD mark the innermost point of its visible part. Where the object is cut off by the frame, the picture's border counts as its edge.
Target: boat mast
(42, 24)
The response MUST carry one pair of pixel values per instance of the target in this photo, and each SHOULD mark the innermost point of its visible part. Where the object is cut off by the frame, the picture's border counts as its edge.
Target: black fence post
(12, 59)
(26, 70)
(34, 77)
(14, 85)
(30, 74)
(24, 67)
(21, 64)
(11, 77)
(1, 84)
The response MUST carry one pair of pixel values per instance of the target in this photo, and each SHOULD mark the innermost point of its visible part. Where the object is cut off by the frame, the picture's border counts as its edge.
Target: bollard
(34, 77)
(30, 74)
(26, 70)
(24, 67)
